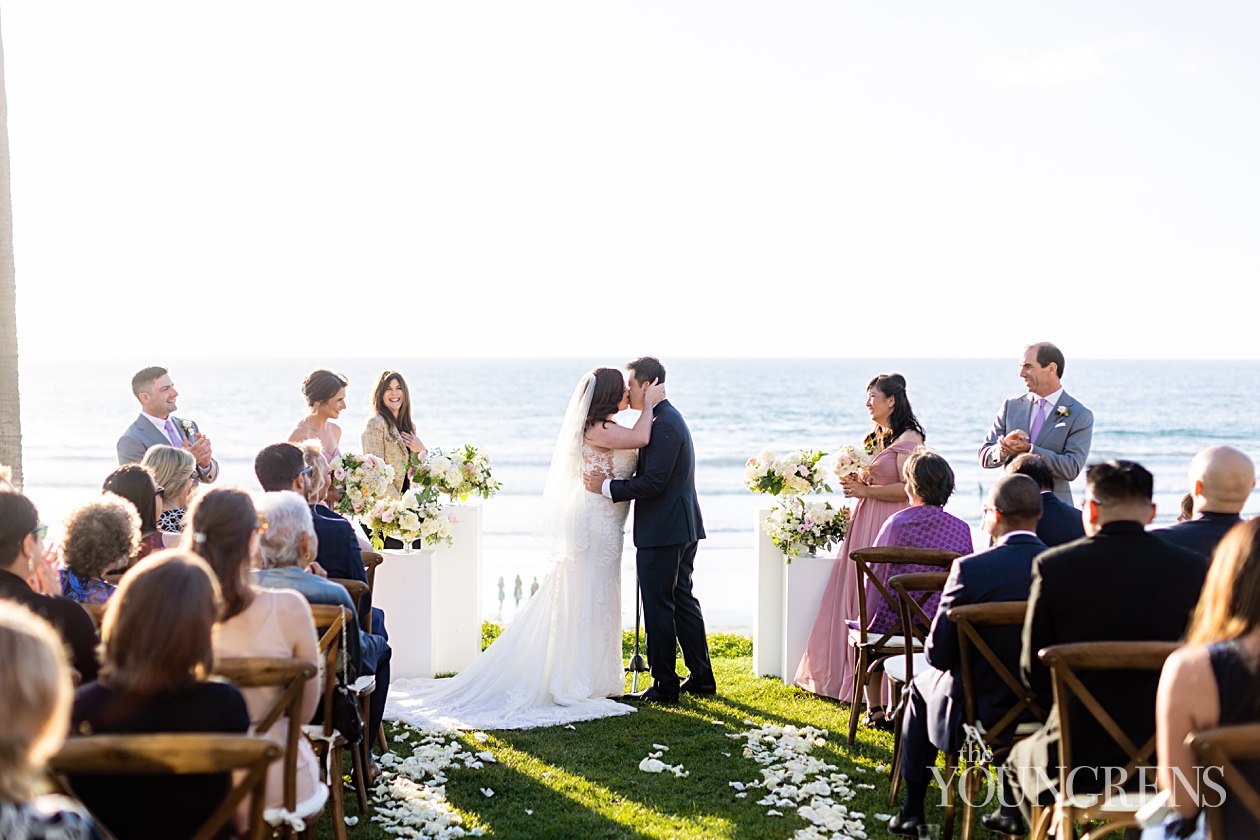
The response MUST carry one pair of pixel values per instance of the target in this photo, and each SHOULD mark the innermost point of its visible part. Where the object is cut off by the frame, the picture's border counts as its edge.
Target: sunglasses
(40, 532)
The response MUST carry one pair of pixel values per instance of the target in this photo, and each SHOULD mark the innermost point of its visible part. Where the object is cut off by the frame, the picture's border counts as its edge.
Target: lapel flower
(188, 427)
(1063, 411)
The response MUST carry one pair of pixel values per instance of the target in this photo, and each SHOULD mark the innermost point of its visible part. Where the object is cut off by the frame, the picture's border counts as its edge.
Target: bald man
(1221, 481)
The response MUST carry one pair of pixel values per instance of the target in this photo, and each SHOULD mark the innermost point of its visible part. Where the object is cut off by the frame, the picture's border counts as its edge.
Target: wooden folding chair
(371, 560)
(1065, 662)
(360, 594)
(96, 612)
(1007, 730)
(179, 754)
(331, 621)
(900, 669)
(1221, 747)
(290, 676)
(366, 683)
(867, 649)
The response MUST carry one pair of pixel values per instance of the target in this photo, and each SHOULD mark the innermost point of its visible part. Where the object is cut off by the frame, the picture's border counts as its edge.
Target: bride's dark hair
(902, 418)
(610, 387)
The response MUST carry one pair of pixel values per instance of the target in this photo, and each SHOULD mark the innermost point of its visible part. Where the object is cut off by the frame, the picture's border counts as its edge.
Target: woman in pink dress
(827, 666)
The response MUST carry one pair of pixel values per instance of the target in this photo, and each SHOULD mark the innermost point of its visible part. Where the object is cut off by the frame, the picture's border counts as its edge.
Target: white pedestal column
(431, 602)
(803, 583)
(768, 611)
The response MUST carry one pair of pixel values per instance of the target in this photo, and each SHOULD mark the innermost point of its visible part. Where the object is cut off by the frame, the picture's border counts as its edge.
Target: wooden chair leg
(894, 783)
(337, 788)
(360, 776)
(859, 691)
(381, 743)
(969, 793)
(947, 818)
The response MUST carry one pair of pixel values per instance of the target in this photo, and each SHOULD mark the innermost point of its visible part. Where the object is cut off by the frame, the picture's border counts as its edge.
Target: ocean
(1156, 412)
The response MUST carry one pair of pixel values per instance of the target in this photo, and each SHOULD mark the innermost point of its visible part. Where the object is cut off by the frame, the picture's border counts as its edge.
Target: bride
(559, 661)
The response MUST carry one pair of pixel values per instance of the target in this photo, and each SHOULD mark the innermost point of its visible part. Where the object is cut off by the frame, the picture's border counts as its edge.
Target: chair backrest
(358, 591)
(1221, 747)
(893, 556)
(1066, 661)
(371, 559)
(96, 612)
(915, 622)
(330, 622)
(969, 618)
(290, 676)
(178, 754)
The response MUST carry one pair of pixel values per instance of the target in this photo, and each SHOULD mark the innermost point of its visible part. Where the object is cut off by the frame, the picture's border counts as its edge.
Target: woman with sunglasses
(26, 577)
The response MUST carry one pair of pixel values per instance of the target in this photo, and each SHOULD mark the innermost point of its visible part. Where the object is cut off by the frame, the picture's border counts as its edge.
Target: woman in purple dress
(827, 666)
(924, 524)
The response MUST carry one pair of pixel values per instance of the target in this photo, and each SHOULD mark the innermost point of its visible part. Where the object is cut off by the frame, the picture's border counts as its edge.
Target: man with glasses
(158, 425)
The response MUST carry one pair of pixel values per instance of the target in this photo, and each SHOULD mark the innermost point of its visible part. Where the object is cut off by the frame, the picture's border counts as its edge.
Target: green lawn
(585, 781)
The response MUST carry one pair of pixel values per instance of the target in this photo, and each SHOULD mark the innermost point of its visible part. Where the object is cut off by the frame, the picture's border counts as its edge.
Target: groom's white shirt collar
(1051, 399)
(160, 425)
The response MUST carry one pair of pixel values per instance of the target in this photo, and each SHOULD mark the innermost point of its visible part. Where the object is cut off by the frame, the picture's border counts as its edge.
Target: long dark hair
(218, 527)
(902, 418)
(610, 387)
(403, 422)
(138, 486)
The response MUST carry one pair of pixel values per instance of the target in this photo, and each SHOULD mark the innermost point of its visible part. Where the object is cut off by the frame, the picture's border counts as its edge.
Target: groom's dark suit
(667, 528)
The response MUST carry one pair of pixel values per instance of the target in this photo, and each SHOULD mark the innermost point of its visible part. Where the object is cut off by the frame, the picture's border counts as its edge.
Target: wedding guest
(158, 425)
(33, 724)
(24, 565)
(934, 713)
(880, 491)
(1212, 681)
(98, 536)
(135, 484)
(1221, 478)
(287, 545)
(281, 466)
(1120, 583)
(1046, 421)
(259, 622)
(175, 472)
(1060, 522)
(390, 433)
(157, 655)
(325, 394)
(924, 524)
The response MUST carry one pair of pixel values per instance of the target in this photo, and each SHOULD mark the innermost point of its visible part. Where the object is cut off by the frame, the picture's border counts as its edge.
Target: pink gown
(827, 666)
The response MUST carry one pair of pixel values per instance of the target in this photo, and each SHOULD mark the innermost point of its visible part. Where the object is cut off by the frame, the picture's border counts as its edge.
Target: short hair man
(1221, 481)
(1120, 583)
(287, 545)
(934, 716)
(281, 466)
(1045, 421)
(157, 425)
(1060, 522)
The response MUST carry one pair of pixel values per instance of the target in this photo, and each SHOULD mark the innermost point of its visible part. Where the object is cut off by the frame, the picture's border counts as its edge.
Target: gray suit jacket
(1063, 441)
(142, 434)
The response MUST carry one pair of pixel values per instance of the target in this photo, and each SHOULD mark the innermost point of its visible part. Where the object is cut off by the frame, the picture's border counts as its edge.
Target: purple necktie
(173, 434)
(1038, 420)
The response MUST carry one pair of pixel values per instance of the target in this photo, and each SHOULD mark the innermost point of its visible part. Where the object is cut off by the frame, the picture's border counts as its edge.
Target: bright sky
(590, 178)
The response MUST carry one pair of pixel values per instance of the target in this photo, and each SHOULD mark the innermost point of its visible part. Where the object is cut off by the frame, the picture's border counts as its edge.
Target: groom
(667, 529)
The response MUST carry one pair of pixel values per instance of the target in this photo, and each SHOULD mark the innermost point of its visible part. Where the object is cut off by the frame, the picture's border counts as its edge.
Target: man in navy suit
(934, 716)
(667, 531)
(1060, 522)
(157, 425)
(1221, 481)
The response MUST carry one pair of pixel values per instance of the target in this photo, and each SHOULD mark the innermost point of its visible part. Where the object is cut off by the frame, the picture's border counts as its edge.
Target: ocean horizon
(1157, 412)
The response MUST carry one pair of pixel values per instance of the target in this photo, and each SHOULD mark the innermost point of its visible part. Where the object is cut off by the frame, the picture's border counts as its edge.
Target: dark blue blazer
(1002, 573)
(666, 510)
(338, 547)
(1060, 522)
(1201, 534)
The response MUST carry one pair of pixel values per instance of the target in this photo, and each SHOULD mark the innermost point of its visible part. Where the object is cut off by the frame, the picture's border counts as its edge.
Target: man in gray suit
(157, 425)
(1045, 421)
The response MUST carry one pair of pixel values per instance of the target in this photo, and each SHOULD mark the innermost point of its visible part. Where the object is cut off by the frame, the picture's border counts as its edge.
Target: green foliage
(489, 632)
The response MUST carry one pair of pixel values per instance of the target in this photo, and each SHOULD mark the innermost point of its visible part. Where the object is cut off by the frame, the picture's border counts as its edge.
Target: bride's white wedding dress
(559, 660)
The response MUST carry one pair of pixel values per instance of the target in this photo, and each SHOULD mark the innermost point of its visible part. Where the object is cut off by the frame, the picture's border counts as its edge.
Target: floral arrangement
(416, 517)
(459, 474)
(793, 474)
(794, 524)
(363, 481)
(851, 460)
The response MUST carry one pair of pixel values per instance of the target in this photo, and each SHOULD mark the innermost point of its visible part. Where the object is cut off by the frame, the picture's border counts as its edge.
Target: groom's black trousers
(671, 615)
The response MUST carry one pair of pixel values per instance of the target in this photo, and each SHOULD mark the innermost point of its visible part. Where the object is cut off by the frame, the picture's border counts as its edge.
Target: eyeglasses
(307, 470)
(40, 532)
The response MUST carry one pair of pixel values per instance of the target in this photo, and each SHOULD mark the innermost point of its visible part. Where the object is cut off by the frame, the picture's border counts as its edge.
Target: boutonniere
(188, 427)
(1063, 411)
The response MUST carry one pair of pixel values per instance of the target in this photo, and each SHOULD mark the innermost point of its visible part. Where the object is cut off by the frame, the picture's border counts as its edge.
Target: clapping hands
(201, 451)
(1015, 443)
(44, 577)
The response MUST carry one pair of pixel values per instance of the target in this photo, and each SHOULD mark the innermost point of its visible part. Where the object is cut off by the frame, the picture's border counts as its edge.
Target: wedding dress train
(559, 661)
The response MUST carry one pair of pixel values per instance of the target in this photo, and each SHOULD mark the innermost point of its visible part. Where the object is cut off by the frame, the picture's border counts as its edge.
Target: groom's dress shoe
(689, 686)
(904, 826)
(1002, 823)
(651, 695)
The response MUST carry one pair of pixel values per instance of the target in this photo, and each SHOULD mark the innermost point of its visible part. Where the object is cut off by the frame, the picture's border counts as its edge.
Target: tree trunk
(10, 403)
